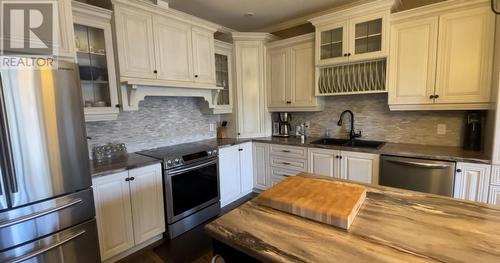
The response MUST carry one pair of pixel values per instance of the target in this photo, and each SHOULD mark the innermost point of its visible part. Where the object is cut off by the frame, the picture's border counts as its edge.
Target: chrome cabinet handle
(45, 249)
(25, 218)
(422, 165)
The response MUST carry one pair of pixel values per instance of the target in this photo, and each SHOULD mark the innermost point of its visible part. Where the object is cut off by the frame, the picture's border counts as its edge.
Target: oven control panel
(190, 158)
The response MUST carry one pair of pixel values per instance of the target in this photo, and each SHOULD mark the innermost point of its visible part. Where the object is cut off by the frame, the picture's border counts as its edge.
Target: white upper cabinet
(441, 57)
(203, 56)
(136, 49)
(277, 77)
(66, 46)
(465, 56)
(163, 47)
(173, 45)
(413, 61)
(353, 34)
(253, 118)
(291, 75)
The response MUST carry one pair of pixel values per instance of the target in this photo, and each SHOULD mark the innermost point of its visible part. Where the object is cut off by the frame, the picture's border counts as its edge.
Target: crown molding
(293, 40)
(242, 36)
(440, 7)
(344, 12)
(90, 10)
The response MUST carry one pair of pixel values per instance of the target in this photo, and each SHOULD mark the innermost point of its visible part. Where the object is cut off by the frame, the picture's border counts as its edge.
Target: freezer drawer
(428, 176)
(31, 222)
(78, 244)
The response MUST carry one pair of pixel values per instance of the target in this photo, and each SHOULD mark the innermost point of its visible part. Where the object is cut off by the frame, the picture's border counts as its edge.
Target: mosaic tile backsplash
(377, 122)
(160, 121)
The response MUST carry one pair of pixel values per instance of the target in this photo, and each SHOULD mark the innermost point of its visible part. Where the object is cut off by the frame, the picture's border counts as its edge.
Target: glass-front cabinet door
(368, 37)
(223, 100)
(333, 44)
(94, 55)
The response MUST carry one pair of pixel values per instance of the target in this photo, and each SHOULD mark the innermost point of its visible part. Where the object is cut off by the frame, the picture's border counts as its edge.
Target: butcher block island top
(330, 202)
(392, 226)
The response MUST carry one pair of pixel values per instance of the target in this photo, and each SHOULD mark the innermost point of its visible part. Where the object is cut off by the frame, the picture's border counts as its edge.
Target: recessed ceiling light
(249, 14)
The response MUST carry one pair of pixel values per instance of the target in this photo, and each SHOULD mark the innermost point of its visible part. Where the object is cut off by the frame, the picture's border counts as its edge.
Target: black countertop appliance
(473, 131)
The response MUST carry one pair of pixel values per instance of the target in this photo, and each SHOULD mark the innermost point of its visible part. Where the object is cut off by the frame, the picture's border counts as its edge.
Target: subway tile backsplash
(377, 122)
(160, 121)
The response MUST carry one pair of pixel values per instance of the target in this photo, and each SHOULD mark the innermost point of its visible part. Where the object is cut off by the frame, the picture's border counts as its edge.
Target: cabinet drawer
(280, 172)
(290, 164)
(288, 151)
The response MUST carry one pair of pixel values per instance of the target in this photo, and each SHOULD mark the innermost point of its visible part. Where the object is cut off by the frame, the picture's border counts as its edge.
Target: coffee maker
(284, 127)
(473, 131)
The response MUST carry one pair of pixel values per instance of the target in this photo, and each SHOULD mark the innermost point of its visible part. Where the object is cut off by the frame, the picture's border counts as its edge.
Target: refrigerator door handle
(25, 218)
(47, 248)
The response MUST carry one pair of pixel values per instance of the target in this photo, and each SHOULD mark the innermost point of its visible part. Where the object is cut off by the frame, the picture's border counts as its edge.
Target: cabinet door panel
(465, 55)
(368, 36)
(302, 75)
(136, 50)
(324, 162)
(332, 43)
(173, 50)
(277, 77)
(203, 56)
(147, 202)
(412, 63)
(261, 165)
(253, 118)
(246, 167)
(229, 174)
(494, 198)
(360, 167)
(472, 182)
(113, 214)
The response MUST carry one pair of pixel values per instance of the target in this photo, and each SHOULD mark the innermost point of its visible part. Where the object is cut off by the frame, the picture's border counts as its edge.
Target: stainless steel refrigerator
(46, 204)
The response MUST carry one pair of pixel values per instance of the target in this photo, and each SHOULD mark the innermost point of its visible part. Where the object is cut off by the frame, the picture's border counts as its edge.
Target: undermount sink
(349, 143)
(331, 141)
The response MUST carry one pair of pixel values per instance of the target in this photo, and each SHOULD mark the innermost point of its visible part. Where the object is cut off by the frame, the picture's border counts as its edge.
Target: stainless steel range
(191, 184)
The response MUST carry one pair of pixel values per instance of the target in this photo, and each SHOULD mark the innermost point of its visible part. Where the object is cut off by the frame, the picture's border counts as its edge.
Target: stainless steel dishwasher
(435, 177)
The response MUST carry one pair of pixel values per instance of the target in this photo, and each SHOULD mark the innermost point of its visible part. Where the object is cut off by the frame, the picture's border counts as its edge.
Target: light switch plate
(212, 127)
(441, 129)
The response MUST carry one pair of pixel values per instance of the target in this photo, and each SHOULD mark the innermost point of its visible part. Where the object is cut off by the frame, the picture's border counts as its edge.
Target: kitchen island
(392, 226)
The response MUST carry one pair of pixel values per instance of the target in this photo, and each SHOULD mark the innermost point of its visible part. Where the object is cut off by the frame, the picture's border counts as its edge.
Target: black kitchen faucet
(352, 134)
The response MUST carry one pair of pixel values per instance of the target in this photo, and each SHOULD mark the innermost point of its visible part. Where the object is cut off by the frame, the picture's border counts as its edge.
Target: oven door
(191, 188)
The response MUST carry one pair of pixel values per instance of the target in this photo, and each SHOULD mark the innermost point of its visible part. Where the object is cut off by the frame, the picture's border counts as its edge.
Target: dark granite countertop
(127, 162)
(392, 225)
(455, 154)
(134, 160)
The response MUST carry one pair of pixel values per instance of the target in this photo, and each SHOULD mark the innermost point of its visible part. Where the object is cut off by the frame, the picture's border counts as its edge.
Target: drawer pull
(285, 175)
(285, 163)
(286, 151)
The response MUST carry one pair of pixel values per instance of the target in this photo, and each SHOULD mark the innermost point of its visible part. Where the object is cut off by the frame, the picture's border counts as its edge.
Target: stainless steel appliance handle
(47, 248)
(25, 218)
(6, 151)
(421, 165)
(187, 169)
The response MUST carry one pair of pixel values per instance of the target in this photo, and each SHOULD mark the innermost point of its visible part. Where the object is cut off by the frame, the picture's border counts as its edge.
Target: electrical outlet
(441, 129)
(212, 127)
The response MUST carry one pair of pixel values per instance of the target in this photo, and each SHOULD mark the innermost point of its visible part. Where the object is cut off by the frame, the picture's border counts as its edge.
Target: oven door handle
(187, 169)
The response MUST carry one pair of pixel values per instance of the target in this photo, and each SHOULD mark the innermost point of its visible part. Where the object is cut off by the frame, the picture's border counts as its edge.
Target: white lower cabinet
(324, 162)
(354, 166)
(235, 172)
(261, 176)
(494, 192)
(359, 167)
(472, 182)
(129, 209)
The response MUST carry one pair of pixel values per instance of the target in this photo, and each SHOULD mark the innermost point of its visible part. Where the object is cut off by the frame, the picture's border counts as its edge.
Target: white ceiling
(231, 13)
